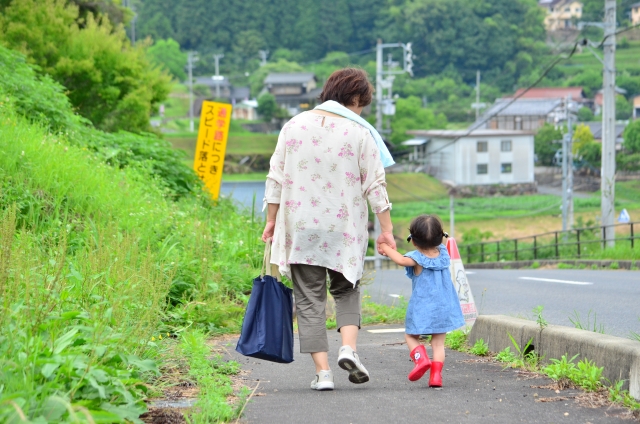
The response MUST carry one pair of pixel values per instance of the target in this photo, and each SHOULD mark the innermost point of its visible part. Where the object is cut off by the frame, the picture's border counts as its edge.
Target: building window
(505, 168)
(567, 9)
(505, 146)
(578, 10)
(482, 169)
(483, 146)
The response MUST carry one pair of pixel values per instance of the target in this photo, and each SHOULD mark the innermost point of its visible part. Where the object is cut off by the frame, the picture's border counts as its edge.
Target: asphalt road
(607, 298)
(473, 392)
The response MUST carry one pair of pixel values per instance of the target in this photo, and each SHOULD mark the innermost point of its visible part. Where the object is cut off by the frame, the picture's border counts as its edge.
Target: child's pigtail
(445, 234)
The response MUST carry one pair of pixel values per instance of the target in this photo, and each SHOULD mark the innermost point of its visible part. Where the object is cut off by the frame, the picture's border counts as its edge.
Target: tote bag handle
(266, 261)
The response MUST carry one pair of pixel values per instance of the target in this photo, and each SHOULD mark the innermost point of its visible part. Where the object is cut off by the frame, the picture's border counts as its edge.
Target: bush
(108, 81)
(42, 100)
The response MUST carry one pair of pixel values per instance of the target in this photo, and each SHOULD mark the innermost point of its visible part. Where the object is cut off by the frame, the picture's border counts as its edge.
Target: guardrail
(570, 244)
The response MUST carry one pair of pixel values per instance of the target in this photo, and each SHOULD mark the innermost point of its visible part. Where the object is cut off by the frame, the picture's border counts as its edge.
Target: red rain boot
(421, 359)
(435, 378)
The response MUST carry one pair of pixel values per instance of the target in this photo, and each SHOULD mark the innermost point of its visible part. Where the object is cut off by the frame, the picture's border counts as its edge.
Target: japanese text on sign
(212, 144)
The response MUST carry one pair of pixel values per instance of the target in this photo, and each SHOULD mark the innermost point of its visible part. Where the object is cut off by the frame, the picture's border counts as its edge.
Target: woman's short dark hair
(426, 231)
(346, 86)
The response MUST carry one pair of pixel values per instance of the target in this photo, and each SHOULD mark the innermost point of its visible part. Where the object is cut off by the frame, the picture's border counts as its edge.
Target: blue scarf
(335, 107)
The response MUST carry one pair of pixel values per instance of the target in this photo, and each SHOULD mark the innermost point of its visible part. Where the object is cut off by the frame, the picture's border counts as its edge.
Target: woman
(324, 170)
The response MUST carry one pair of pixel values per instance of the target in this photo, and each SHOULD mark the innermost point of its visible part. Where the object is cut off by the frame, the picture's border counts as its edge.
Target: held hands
(268, 231)
(385, 239)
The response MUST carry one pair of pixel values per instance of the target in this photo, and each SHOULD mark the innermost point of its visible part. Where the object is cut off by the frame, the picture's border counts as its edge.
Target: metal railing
(570, 244)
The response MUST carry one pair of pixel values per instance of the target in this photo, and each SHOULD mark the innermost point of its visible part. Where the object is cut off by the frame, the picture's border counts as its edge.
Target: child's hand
(383, 248)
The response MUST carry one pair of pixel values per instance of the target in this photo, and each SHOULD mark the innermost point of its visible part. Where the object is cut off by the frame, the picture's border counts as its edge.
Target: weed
(456, 340)
(539, 318)
(506, 355)
(211, 376)
(614, 265)
(563, 265)
(577, 323)
(589, 376)
(633, 335)
(561, 370)
(479, 348)
(527, 358)
(622, 397)
(535, 265)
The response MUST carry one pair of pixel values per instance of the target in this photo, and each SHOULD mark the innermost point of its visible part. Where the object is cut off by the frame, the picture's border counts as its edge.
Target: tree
(546, 143)
(585, 114)
(581, 137)
(267, 106)
(410, 115)
(632, 137)
(110, 82)
(166, 53)
(623, 108)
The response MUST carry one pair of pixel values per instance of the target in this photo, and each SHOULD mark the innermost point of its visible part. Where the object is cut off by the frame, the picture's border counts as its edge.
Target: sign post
(212, 144)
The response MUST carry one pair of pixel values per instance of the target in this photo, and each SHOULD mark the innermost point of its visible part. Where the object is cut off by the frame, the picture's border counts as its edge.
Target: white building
(479, 157)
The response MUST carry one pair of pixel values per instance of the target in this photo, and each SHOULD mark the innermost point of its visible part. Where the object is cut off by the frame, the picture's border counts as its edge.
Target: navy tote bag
(267, 328)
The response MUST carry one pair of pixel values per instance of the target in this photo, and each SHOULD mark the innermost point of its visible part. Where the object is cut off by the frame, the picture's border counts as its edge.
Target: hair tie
(445, 234)
(409, 238)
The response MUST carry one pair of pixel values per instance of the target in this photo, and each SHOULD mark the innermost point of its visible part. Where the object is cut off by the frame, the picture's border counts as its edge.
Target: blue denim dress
(434, 307)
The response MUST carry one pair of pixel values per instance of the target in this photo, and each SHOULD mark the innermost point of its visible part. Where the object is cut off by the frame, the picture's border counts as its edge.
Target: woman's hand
(385, 237)
(268, 230)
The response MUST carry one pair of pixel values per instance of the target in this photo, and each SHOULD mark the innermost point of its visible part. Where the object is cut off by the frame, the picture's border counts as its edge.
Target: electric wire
(548, 69)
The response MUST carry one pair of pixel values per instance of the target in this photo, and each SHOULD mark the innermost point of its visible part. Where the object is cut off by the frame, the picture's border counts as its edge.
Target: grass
(237, 144)
(211, 374)
(94, 261)
(405, 188)
(627, 59)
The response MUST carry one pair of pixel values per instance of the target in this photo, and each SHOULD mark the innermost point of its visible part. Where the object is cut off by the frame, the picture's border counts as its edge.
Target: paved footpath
(474, 392)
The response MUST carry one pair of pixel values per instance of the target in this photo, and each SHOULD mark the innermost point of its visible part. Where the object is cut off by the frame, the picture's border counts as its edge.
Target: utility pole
(379, 89)
(477, 95)
(569, 164)
(192, 57)
(608, 172)
(127, 4)
(407, 67)
(263, 57)
(565, 180)
(217, 78)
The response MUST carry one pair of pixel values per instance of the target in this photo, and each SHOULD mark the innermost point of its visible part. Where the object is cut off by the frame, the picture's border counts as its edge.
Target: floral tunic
(322, 173)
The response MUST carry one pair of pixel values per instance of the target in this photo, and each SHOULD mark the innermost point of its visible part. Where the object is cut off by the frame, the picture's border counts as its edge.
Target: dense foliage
(109, 82)
(42, 100)
(95, 260)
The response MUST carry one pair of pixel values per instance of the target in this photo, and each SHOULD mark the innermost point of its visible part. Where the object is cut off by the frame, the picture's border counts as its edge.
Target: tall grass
(93, 261)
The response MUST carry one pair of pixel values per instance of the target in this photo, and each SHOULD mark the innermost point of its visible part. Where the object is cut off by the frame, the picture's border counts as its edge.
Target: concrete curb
(601, 264)
(619, 357)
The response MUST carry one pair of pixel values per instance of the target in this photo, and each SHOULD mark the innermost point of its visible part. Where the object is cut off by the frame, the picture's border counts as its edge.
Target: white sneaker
(323, 381)
(348, 360)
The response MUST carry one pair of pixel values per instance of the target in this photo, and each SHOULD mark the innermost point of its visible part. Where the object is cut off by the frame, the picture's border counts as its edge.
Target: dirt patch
(163, 416)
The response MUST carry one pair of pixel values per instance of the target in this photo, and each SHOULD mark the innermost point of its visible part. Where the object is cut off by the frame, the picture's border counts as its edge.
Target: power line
(548, 69)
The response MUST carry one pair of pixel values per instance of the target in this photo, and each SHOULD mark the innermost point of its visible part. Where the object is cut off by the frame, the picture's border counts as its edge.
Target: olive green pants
(310, 291)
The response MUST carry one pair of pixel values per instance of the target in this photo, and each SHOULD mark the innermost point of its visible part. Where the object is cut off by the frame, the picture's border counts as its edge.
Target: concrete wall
(458, 162)
(619, 357)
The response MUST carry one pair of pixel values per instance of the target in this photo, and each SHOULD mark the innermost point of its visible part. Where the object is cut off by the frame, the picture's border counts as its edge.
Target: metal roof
(524, 107)
(467, 133)
(596, 130)
(289, 78)
(576, 93)
(415, 142)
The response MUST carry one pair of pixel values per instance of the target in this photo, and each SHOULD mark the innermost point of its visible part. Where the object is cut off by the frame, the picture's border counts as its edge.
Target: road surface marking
(470, 272)
(394, 295)
(551, 280)
(387, 330)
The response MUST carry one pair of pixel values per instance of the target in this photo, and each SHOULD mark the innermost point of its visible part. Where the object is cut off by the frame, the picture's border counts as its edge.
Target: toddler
(434, 307)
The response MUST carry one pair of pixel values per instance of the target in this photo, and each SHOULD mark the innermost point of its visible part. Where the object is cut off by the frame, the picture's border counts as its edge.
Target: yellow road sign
(212, 144)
